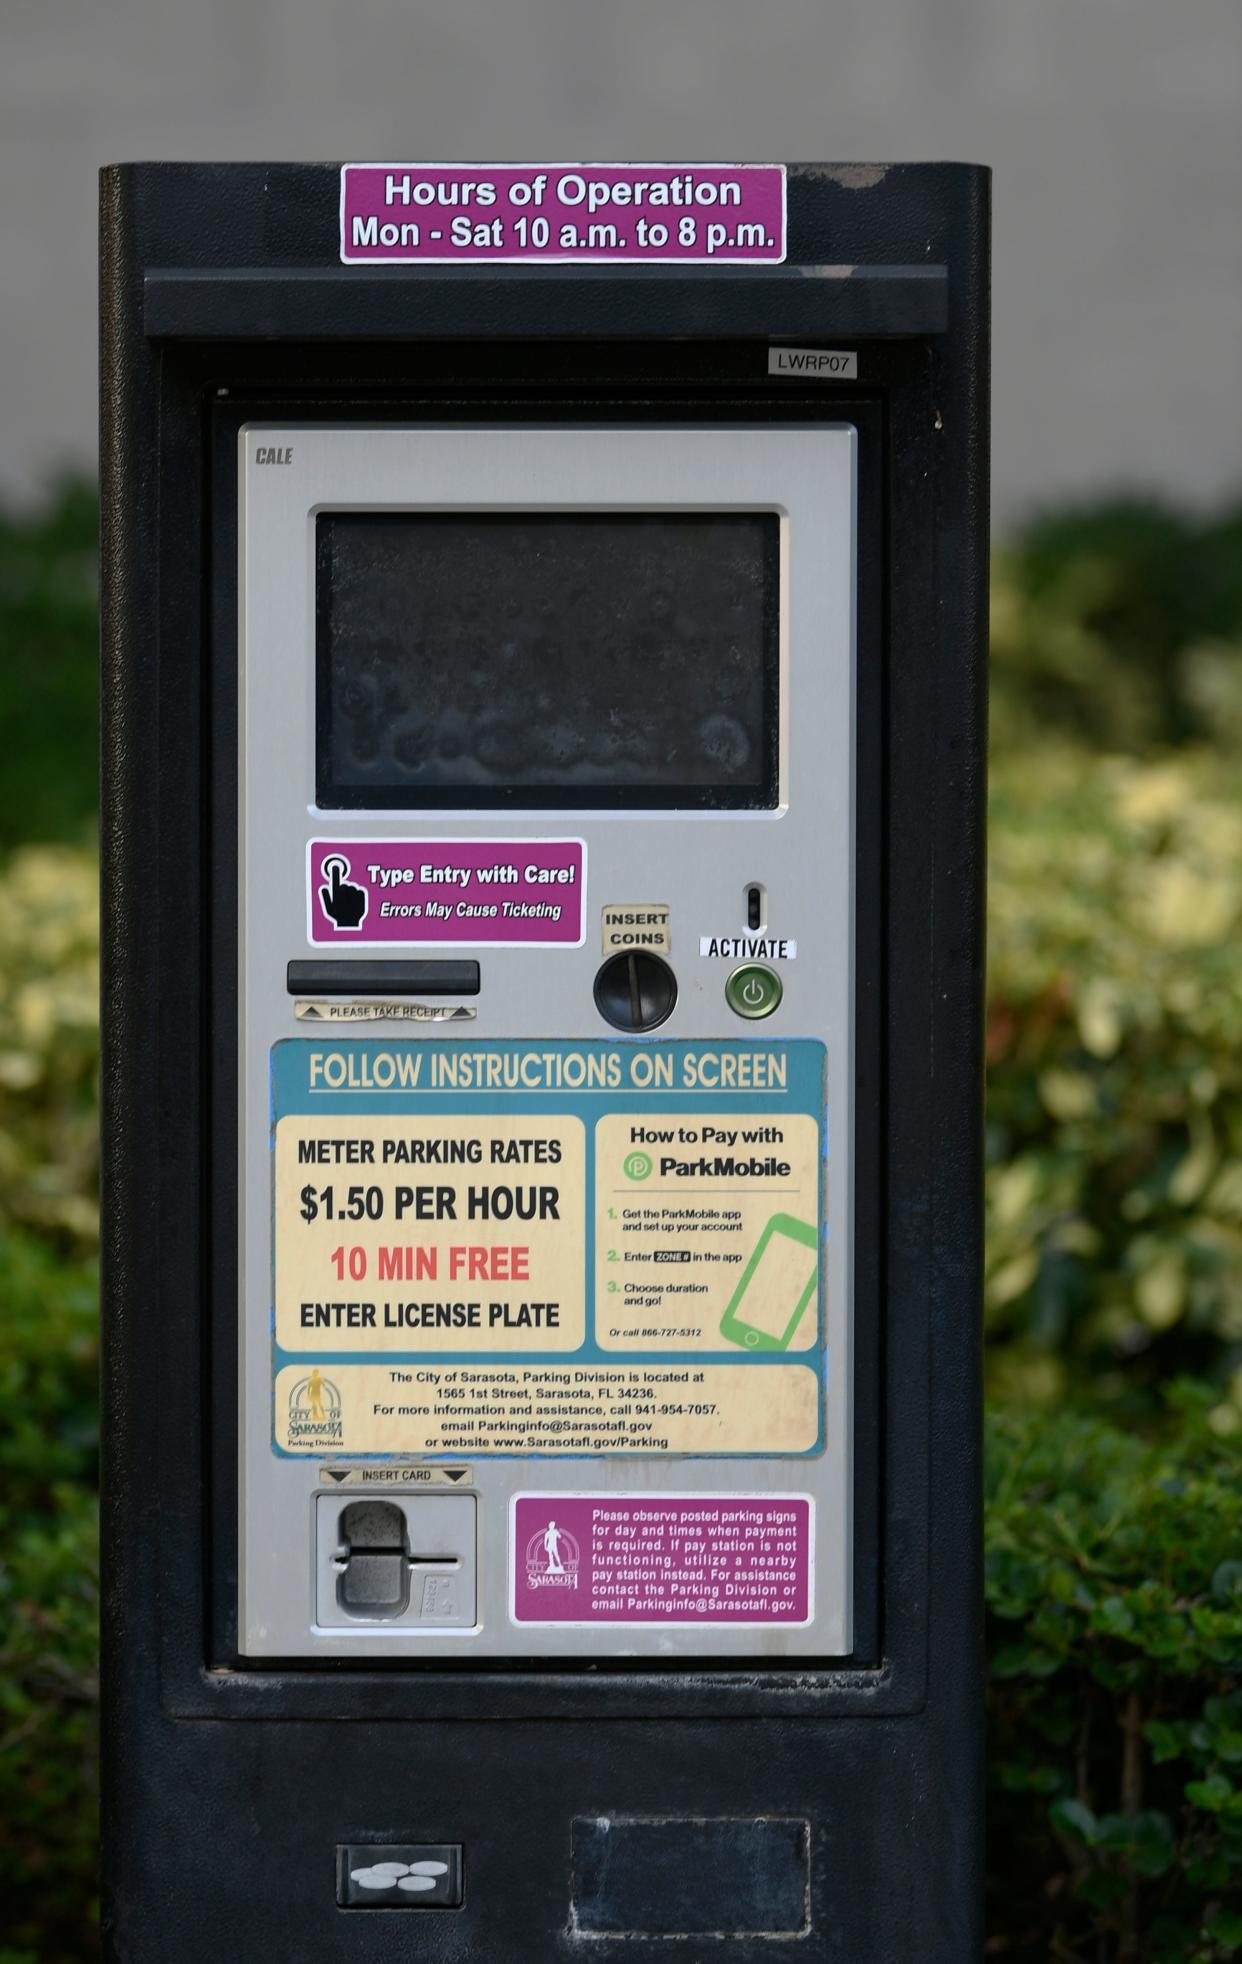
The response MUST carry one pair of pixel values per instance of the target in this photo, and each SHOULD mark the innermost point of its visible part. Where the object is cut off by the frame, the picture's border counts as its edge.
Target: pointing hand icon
(344, 904)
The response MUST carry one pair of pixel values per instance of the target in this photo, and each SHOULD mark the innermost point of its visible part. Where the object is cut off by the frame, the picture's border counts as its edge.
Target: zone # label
(618, 213)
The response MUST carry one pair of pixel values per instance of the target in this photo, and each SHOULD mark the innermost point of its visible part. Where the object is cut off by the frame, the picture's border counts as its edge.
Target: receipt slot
(544, 730)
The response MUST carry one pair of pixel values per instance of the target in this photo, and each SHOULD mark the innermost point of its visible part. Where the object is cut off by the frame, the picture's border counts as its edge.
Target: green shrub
(1118, 625)
(49, 668)
(49, 1318)
(1115, 1077)
(1114, 1590)
(49, 1044)
(48, 1600)
(1114, 1240)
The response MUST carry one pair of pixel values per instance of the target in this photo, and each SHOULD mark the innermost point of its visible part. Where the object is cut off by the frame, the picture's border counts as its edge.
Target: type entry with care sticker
(450, 893)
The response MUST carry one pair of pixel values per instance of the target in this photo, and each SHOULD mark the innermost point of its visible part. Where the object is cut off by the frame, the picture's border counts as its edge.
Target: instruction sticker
(466, 1232)
(454, 893)
(656, 1559)
(702, 1231)
(547, 1247)
(617, 213)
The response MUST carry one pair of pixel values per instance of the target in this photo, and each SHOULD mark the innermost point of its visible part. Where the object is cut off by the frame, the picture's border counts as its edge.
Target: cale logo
(315, 1411)
(553, 1558)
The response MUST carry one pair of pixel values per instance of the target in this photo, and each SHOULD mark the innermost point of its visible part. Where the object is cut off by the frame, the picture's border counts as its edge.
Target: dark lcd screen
(547, 658)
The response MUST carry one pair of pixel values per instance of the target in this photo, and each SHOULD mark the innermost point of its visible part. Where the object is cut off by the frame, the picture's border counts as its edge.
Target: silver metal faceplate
(695, 862)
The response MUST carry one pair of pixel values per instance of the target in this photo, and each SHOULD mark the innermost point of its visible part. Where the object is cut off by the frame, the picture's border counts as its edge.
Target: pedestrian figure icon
(552, 1549)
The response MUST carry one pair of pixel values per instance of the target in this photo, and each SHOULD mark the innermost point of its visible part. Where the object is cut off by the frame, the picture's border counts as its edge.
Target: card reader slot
(362, 978)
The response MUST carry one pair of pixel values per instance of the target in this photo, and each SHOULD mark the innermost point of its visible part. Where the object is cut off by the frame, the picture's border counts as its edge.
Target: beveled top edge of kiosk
(312, 303)
(250, 253)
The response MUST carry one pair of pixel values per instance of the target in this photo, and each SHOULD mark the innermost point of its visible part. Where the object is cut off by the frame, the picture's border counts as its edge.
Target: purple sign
(658, 1559)
(369, 893)
(643, 213)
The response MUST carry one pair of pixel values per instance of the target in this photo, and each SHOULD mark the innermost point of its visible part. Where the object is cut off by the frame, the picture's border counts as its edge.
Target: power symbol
(753, 991)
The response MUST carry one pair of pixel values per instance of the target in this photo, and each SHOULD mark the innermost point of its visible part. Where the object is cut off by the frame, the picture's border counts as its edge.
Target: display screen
(547, 658)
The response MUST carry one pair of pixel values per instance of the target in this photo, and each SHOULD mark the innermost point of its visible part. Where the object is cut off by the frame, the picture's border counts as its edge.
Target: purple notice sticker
(660, 1560)
(424, 213)
(369, 893)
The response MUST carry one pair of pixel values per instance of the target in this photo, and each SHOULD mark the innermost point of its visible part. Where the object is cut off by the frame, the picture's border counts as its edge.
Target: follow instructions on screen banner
(550, 1248)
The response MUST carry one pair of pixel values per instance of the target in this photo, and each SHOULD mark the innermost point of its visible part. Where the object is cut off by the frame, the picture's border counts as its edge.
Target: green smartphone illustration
(777, 1284)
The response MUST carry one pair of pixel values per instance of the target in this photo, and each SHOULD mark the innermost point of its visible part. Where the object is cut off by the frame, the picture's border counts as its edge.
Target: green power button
(753, 990)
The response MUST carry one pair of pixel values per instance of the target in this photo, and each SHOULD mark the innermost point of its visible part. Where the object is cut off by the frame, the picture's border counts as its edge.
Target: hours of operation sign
(549, 1248)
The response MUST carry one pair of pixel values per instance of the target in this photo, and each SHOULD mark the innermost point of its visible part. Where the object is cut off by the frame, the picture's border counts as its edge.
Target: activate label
(467, 213)
(372, 893)
(655, 1559)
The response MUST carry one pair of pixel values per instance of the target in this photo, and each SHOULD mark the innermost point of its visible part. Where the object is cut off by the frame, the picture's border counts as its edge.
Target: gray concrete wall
(1114, 128)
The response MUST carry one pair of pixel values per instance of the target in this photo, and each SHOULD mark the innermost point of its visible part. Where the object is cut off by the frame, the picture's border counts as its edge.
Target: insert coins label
(630, 924)
(547, 1248)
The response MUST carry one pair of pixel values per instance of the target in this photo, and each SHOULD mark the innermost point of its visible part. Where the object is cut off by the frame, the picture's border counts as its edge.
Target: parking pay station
(544, 732)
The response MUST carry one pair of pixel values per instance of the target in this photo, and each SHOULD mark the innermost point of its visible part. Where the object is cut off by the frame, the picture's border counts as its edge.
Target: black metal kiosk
(544, 733)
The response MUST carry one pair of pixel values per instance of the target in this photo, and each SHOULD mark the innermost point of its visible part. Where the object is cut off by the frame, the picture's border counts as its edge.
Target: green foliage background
(1114, 1271)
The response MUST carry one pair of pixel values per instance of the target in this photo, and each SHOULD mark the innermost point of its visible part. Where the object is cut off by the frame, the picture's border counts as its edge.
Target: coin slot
(636, 991)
